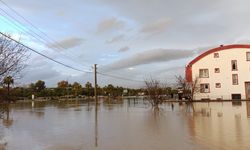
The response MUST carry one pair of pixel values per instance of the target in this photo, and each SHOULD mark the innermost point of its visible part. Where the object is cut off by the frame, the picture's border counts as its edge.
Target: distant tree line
(64, 89)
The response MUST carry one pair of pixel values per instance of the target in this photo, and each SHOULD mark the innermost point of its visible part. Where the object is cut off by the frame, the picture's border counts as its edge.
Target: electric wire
(103, 74)
(46, 41)
(39, 53)
(33, 33)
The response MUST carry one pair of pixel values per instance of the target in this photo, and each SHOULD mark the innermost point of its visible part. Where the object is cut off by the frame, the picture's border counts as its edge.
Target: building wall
(225, 75)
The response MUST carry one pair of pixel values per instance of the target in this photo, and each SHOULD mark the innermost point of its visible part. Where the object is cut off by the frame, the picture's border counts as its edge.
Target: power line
(48, 39)
(15, 26)
(113, 76)
(33, 33)
(58, 62)
(29, 22)
(18, 14)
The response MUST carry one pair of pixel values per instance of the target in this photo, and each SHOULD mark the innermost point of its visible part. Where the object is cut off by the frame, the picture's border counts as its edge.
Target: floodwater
(123, 125)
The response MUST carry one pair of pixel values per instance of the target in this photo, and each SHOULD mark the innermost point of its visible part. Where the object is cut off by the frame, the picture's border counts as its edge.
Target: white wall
(225, 75)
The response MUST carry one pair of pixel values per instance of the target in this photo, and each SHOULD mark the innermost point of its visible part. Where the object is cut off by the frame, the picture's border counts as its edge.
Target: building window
(204, 88)
(216, 55)
(218, 85)
(216, 70)
(235, 79)
(234, 65)
(248, 56)
(203, 73)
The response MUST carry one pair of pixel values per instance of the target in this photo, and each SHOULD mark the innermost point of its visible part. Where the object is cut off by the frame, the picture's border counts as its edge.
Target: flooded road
(126, 125)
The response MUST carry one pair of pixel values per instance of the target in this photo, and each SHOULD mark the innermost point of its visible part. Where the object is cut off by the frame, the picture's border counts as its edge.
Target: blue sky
(133, 39)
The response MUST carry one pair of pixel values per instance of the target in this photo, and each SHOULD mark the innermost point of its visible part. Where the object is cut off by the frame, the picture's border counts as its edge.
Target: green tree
(119, 91)
(8, 81)
(63, 88)
(63, 84)
(77, 88)
(109, 90)
(40, 86)
(89, 90)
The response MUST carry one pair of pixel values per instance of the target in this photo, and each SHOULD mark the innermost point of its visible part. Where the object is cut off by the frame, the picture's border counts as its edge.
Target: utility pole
(95, 72)
(96, 107)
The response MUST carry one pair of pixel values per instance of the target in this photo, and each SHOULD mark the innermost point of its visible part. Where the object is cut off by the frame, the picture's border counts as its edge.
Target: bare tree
(155, 91)
(189, 88)
(184, 85)
(194, 87)
(12, 57)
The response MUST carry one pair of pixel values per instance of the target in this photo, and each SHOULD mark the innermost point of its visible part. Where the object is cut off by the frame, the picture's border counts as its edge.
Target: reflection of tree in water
(190, 112)
(137, 102)
(111, 103)
(155, 119)
(5, 115)
(189, 107)
(61, 104)
(38, 113)
(204, 111)
(6, 122)
(76, 105)
(1, 112)
(3, 142)
(89, 107)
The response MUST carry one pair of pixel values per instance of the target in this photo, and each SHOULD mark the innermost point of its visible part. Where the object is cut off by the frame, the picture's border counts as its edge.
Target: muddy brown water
(124, 125)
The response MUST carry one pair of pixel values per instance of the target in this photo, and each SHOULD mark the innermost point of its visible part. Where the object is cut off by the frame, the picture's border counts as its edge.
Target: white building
(222, 73)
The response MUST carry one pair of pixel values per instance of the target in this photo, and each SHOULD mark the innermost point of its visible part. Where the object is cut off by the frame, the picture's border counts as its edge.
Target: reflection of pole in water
(96, 107)
(172, 106)
(32, 104)
(96, 126)
(88, 105)
(8, 111)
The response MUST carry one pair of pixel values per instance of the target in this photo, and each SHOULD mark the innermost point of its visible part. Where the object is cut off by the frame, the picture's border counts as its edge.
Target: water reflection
(7, 121)
(236, 103)
(248, 108)
(96, 124)
(117, 124)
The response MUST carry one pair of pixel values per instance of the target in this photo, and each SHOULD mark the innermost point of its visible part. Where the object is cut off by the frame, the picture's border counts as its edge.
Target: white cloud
(116, 39)
(148, 57)
(178, 25)
(67, 43)
(123, 49)
(158, 26)
(110, 24)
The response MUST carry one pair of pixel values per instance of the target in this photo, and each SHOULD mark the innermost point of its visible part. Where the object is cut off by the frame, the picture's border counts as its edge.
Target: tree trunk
(8, 89)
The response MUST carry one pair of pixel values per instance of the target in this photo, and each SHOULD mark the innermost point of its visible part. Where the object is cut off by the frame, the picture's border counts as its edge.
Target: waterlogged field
(123, 125)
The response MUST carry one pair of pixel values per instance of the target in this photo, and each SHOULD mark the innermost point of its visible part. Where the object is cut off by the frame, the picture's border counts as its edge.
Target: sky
(133, 39)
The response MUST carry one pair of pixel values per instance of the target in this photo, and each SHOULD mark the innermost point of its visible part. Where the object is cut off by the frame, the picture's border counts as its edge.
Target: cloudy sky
(134, 39)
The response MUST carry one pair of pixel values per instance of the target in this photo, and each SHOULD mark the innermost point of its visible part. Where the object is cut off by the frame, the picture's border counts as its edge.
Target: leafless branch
(12, 57)
(155, 91)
